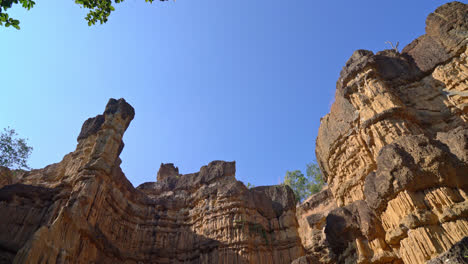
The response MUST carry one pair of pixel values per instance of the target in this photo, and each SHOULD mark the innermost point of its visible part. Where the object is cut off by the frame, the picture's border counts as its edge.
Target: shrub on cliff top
(305, 186)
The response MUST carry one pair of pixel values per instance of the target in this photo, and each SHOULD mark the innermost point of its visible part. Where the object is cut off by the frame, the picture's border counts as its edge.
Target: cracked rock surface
(394, 150)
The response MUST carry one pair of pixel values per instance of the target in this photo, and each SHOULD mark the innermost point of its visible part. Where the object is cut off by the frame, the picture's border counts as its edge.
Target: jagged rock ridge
(84, 210)
(394, 150)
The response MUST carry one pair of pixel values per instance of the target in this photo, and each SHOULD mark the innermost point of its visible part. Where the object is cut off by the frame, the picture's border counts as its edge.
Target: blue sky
(209, 79)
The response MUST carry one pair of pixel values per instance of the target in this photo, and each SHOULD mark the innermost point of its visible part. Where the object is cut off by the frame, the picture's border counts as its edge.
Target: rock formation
(312, 217)
(394, 150)
(84, 210)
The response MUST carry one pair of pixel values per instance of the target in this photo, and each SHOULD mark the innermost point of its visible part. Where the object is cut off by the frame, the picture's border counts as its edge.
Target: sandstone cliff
(84, 210)
(394, 151)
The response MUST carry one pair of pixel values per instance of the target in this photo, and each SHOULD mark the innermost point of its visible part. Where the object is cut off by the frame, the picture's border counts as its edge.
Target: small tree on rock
(316, 181)
(304, 186)
(14, 152)
(298, 183)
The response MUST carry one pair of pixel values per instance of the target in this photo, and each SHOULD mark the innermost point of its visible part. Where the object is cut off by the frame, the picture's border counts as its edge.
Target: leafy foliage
(298, 183)
(305, 186)
(316, 181)
(249, 185)
(14, 152)
(99, 10)
(5, 19)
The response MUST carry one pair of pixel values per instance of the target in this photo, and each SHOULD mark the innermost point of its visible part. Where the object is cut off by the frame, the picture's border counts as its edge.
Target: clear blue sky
(209, 79)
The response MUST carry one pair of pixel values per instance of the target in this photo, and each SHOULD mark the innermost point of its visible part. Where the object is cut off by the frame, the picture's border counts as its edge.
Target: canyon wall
(84, 210)
(394, 150)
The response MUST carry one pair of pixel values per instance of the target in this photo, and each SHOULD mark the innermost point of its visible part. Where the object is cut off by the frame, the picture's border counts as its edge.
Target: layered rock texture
(84, 210)
(394, 151)
(312, 217)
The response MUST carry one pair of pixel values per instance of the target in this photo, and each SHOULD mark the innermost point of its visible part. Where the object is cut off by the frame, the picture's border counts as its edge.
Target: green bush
(305, 186)
(14, 152)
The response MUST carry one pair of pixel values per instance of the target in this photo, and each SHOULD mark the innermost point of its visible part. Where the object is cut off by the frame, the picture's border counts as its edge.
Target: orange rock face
(312, 218)
(394, 148)
(84, 210)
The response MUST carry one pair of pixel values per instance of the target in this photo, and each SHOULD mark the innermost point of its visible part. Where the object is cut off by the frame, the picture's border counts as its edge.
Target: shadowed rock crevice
(457, 254)
(24, 209)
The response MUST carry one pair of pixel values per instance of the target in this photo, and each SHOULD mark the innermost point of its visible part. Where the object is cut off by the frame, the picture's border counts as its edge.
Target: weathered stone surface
(446, 36)
(84, 210)
(457, 254)
(394, 152)
(312, 218)
(166, 171)
(5, 176)
(394, 148)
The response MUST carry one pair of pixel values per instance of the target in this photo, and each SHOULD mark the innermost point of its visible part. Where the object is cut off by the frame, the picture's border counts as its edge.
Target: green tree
(304, 186)
(99, 10)
(249, 185)
(298, 183)
(14, 152)
(316, 181)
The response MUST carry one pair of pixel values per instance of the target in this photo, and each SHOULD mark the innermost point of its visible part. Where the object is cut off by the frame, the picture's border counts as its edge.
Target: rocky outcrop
(394, 148)
(458, 254)
(312, 218)
(84, 210)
